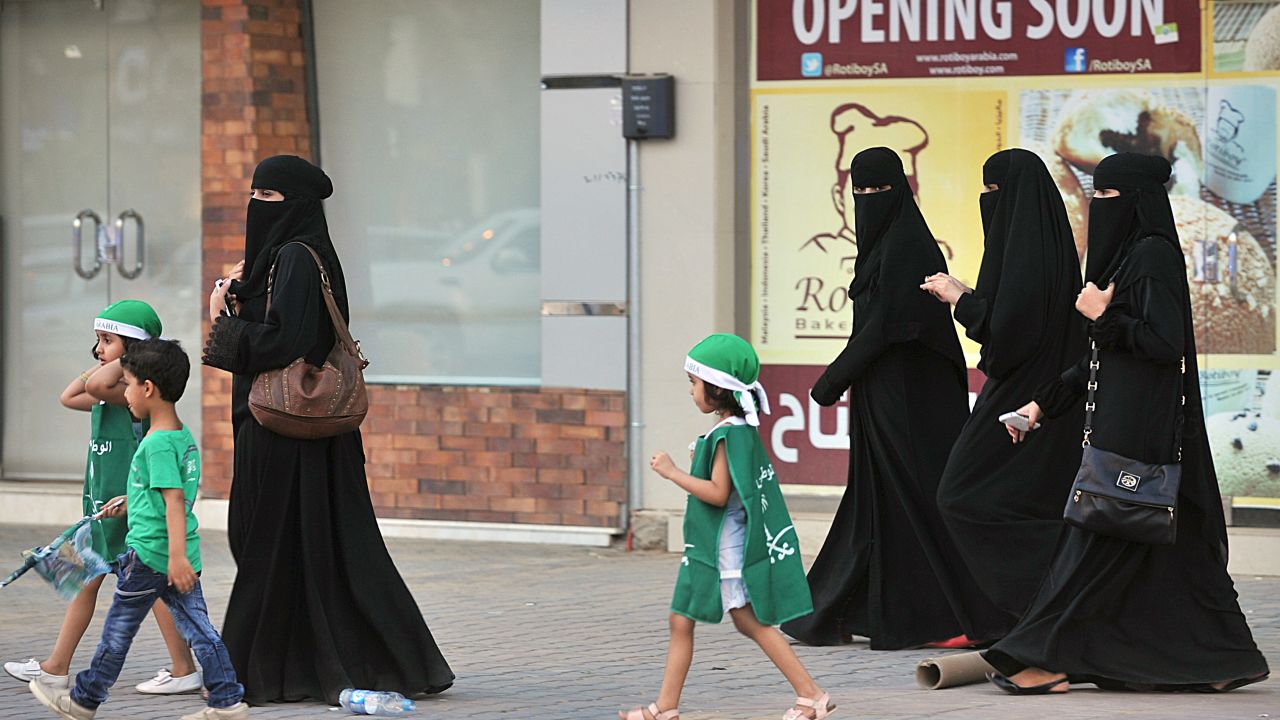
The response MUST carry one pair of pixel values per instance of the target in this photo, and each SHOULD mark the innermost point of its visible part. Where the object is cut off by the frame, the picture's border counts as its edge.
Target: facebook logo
(1076, 60)
(811, 64)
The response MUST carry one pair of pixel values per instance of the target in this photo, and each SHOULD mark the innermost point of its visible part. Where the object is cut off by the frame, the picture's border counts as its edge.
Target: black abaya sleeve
(1060, 393)
(289, 330)
(974, 312)
(864, 346)
(1155, 335)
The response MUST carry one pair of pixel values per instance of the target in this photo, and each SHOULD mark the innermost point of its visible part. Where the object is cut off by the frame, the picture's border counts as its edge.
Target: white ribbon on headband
(741, 391)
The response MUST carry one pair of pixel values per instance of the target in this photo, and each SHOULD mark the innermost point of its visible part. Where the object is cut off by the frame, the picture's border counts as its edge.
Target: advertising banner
(1210, 110)
(799, 39)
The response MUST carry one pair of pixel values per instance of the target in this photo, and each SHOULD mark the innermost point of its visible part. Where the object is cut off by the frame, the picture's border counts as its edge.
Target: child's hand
(662, 464)
(181, 575)
(117, 506)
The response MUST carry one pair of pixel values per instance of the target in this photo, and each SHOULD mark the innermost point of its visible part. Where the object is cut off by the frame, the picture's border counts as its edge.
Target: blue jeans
(137, 590)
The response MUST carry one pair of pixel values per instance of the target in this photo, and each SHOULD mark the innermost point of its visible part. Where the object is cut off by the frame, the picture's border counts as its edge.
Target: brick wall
(535, 455)
(532, 455)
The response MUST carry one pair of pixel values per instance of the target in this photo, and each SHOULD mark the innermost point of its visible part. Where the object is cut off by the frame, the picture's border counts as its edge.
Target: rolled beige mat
(947, 671)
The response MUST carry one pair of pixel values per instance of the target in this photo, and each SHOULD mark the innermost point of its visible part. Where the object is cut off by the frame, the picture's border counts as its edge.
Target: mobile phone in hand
(1018, 422)
(226, 309)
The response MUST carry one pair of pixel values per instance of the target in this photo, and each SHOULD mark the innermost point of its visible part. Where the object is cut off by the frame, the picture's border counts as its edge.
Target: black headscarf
(1029, 272)
(1141, 210)
(298, 218)
(896, 251)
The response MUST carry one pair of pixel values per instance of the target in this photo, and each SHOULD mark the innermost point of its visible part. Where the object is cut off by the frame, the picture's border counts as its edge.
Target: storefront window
(428, 117)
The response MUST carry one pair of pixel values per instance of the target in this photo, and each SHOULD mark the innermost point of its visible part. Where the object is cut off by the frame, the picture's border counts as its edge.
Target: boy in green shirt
(162, 559)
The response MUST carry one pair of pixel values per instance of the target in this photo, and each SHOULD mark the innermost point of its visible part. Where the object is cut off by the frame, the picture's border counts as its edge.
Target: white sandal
(638, 713)
(822, 708)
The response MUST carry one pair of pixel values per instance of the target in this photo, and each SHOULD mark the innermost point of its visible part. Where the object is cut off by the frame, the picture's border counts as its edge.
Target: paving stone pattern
(555, 632)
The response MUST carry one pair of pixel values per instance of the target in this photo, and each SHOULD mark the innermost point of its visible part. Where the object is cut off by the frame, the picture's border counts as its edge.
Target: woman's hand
(662, 464)
(944, 287)
(221, 297)
(1031, 411)
(1092, 302)
(217, 299)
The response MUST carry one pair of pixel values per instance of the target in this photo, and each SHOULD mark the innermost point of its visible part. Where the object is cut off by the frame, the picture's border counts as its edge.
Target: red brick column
(253, 105)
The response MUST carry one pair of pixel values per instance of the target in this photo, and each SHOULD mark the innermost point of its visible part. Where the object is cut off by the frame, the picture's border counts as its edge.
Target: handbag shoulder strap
(339, 324)
(1090, 405)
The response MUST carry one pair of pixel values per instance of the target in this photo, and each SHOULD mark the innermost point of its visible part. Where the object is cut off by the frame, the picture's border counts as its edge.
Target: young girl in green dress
(112, 442)
(741, 551)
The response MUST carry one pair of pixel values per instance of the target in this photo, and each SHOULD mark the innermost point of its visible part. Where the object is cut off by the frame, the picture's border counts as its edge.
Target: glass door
(100, 200)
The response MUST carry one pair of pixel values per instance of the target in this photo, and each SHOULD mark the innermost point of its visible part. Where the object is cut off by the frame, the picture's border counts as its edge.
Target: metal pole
(635, 429)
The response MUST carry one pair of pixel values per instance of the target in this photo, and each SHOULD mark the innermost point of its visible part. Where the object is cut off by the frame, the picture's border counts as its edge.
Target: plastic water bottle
(375, 702)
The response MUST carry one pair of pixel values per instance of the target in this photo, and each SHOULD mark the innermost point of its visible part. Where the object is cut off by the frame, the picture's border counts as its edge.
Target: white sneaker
(59, 701)
(30, 670)
(239, 711)
(164, 683)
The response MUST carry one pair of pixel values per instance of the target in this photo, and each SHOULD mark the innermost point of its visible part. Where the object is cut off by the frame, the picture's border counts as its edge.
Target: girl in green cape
(112, 442)
(741, 551)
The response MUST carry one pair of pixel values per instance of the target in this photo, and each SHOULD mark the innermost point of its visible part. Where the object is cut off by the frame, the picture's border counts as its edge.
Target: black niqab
(299, 217)
(896, 251)
(1142, 209)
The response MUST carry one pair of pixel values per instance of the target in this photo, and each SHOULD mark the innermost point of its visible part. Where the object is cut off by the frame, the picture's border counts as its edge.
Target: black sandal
(1013, 688)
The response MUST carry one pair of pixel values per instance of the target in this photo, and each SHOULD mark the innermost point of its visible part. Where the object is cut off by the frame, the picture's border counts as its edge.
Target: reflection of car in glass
(471, 303)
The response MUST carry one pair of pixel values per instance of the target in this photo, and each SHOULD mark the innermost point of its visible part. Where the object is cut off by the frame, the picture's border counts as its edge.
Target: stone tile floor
(558, 632)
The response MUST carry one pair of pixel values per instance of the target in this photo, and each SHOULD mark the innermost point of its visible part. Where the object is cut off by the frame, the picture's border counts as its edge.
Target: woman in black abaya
(1114, 613)
(317, 604)
(1003, 501)
(887, 569)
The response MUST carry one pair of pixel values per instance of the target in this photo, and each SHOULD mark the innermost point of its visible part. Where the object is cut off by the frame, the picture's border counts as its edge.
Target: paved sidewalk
(553, 632)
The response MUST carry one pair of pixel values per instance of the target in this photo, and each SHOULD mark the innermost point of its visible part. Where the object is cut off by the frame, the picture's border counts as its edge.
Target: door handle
(139, 259)
(99, 236)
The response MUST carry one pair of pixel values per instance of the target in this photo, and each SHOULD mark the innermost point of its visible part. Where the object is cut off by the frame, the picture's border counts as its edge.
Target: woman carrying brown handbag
(302, 621)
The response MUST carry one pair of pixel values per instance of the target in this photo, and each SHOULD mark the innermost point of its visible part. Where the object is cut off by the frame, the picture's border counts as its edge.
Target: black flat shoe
(1013, 688)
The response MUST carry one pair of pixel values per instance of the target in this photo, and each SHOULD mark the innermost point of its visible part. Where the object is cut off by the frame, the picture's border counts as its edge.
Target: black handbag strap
(1090, 405)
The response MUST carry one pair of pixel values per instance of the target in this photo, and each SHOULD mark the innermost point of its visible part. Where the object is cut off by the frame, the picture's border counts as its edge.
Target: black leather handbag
(1120, 497)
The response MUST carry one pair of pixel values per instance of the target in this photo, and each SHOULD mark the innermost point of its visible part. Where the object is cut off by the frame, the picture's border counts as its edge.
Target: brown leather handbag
(306, 402)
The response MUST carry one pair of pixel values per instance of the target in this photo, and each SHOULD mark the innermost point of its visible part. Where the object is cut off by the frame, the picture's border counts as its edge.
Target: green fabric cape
(772, 569)
(106, 475)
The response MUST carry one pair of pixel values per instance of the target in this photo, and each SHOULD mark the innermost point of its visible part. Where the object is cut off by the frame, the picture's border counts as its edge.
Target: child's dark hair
(163, 362)
(124, 340)
(722, 400)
